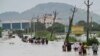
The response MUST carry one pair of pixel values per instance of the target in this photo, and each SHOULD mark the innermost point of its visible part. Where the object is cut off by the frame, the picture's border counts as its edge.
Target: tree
(93, 25)
(57, 27)
(45, 34)
(92, 40)
(81, 23)
(54, 18)
(39, 26)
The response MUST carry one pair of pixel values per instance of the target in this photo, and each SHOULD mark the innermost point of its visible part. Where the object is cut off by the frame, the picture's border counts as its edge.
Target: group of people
(36, 40)
(68, 45)
(80, 47)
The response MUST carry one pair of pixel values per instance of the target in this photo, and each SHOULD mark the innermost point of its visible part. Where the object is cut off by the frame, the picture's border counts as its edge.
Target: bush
(91, 41)
(57, 27)
(41, 33)
(45, 34)
(98, 34)
(72, 39)
(53, 37)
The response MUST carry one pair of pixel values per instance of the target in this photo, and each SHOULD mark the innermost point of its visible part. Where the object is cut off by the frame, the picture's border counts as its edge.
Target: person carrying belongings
(95, 48)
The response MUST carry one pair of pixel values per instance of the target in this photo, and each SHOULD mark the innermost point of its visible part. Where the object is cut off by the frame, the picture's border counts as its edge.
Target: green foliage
(53, 37)
(94, 26)
(91, 41)
(98, 34)
(41, 33)
(39, 26)
(82, 23)
(72, 39)
(1, 32)
(45, 34)
(57, 27)
(19, 32)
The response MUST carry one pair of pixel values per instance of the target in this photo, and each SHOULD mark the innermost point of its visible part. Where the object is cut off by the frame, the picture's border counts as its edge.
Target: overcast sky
(22, 5)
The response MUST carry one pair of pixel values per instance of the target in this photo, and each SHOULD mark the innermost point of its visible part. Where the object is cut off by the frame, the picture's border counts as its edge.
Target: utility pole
(54, 18)
(91, 27)
(70, 24)
(31, 26)
(36, 24)
(45, 17)
(88, 4)
(0, 28)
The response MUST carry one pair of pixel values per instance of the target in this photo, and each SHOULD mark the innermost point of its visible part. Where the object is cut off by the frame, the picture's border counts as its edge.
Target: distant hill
(62, 9)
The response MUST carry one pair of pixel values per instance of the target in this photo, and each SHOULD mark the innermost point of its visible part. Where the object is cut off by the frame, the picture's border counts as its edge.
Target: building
(15, 24)
(21, 24)
(49, 20)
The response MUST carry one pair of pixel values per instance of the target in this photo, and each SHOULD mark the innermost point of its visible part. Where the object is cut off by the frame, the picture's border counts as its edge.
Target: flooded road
(15, 47)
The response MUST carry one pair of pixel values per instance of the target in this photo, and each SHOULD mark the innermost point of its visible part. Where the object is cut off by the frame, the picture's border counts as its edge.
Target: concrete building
(49, 20)
(15, 24)
(21, 24)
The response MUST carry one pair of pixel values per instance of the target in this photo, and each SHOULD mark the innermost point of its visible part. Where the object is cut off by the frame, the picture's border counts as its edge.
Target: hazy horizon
(22, 5)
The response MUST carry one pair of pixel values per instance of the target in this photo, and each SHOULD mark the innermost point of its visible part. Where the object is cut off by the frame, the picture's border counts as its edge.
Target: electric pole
(88, 4)
(31, 27)
(45, 17)
(70, 24)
